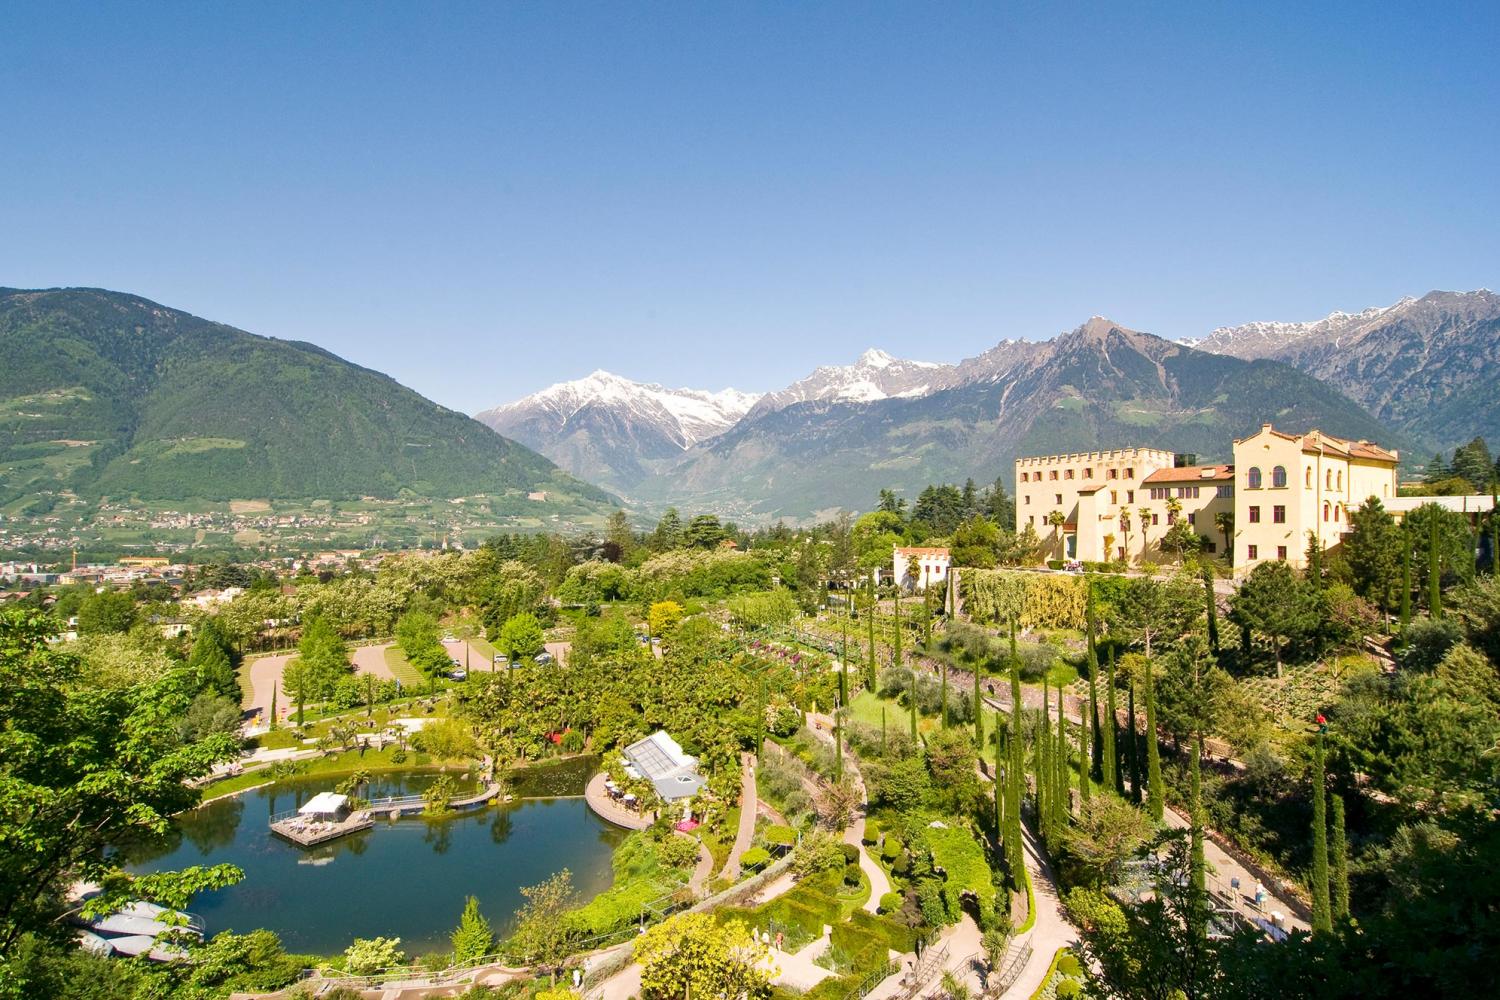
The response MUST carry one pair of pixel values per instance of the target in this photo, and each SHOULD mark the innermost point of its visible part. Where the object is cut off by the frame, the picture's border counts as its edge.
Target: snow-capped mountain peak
(1268, 338)
(682, 416)
(875, 375)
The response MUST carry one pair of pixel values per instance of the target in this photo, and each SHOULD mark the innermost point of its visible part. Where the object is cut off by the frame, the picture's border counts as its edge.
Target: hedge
(961, 857)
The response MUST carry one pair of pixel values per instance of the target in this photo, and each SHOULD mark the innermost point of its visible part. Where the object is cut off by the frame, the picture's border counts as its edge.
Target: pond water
(406, 878)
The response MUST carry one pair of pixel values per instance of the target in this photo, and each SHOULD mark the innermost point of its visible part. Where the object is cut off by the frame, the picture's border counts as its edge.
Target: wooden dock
(306, 833)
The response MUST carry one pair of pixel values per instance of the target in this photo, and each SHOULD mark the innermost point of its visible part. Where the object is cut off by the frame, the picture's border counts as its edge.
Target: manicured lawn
(410, 677)
(346, 762)
(865, 707)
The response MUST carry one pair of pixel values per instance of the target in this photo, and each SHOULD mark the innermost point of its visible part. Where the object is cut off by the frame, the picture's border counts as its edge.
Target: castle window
(1335, 513)
(1057, 498)
(1278, 514)
(1252, 478)
(1328, 480)
(1052, 474)
(1068, 474)
(1278, 477)
(1225, 491)
(1254, 515)
(1281, 552)
(1114, 473)
(1024, 475)
(1325, 510)
(1088, 473)
(1252, 551)
(1130, 496)
(1309, 477)
(1341, 479)
(1129, 472)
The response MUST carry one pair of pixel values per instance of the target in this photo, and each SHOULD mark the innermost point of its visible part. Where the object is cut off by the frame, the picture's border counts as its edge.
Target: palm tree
(1174, 507)
(1145, 513)
(1057, 519)
(1224, 521)
(1125, 529)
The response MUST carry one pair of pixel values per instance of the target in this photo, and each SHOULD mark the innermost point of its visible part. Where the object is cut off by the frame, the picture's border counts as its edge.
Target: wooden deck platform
(307, 833)
(607, 808)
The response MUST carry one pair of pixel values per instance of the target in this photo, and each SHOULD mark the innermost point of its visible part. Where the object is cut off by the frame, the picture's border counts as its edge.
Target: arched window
(1325, 510)
(1252, 478)
(1328, 480)
(1335, 513)
(1341, 479)
(1278, 477)
(1309, 477)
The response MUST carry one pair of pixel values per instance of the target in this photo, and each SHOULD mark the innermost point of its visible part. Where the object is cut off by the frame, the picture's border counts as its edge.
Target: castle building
(1119, 505)
(916, 569)
(1290, 485)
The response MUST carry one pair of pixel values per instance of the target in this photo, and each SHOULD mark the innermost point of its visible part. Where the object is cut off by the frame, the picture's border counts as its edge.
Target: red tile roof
(922, 552)
(1192, 474)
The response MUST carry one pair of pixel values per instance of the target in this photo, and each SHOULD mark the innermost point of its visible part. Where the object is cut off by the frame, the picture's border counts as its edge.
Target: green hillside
(107, 393)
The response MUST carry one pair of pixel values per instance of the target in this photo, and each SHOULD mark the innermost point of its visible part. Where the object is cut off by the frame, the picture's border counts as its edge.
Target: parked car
(458, 674)
(544, 658)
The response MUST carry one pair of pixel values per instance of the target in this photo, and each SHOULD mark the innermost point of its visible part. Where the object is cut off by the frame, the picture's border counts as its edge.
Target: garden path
(854, 833)
(371, 660)
(749, 806)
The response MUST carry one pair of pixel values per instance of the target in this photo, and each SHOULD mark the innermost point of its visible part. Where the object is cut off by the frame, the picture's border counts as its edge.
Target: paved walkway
(698, 883)
(749, 806)
(265, 680)
(1226, 867)
(371, 660)
(854, 833)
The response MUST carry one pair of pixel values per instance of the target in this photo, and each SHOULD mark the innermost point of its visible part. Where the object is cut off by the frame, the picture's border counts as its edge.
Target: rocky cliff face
(1428, 366)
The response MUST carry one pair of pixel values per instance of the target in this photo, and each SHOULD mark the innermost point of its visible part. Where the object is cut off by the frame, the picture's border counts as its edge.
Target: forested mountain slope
(108, 393)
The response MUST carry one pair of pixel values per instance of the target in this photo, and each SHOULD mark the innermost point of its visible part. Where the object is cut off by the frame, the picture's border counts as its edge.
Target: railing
(1011, 966)
(923, 972)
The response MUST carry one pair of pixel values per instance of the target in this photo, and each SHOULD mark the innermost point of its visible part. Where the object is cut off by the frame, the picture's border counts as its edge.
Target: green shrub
(890, 902)
(872, 833)
(1068, 988)
(892, 847)
(755, 857)
(851, 875)
(779, 836)
(851, 854)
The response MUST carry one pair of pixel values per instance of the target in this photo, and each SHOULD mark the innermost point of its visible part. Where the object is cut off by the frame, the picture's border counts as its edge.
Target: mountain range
(107, 393)
(1427, 366)
(1417, 374)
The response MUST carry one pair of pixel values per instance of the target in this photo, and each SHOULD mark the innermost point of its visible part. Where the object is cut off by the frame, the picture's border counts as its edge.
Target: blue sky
(481, 199)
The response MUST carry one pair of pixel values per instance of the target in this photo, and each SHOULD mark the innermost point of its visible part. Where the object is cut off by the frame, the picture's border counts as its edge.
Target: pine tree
(1110, 757)
(473, 938)
(1322, 910)
(1155, 790)
(1339, 848)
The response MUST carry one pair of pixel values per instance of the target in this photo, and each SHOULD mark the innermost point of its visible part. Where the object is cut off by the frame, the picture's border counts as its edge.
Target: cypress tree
(1109, 758)
(1495, 529)
(871, 681)
(1195, 815)
(1339, 849)
(943, 698)
(1001, 834)
(1040, 766)
(882, 730)
(1014, 780)
(1064, 764)
(1134, 747)
(1322, 909)
(273, 723)
(1155, 790)
(1085, 756)
(979, 720)
(1091, 729)
(1212, 610)
(1405, 585)
(838, 722)
(1434, 570)
(301, 706)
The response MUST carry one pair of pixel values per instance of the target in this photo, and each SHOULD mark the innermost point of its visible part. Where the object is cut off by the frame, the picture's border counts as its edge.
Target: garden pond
(406, 878)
